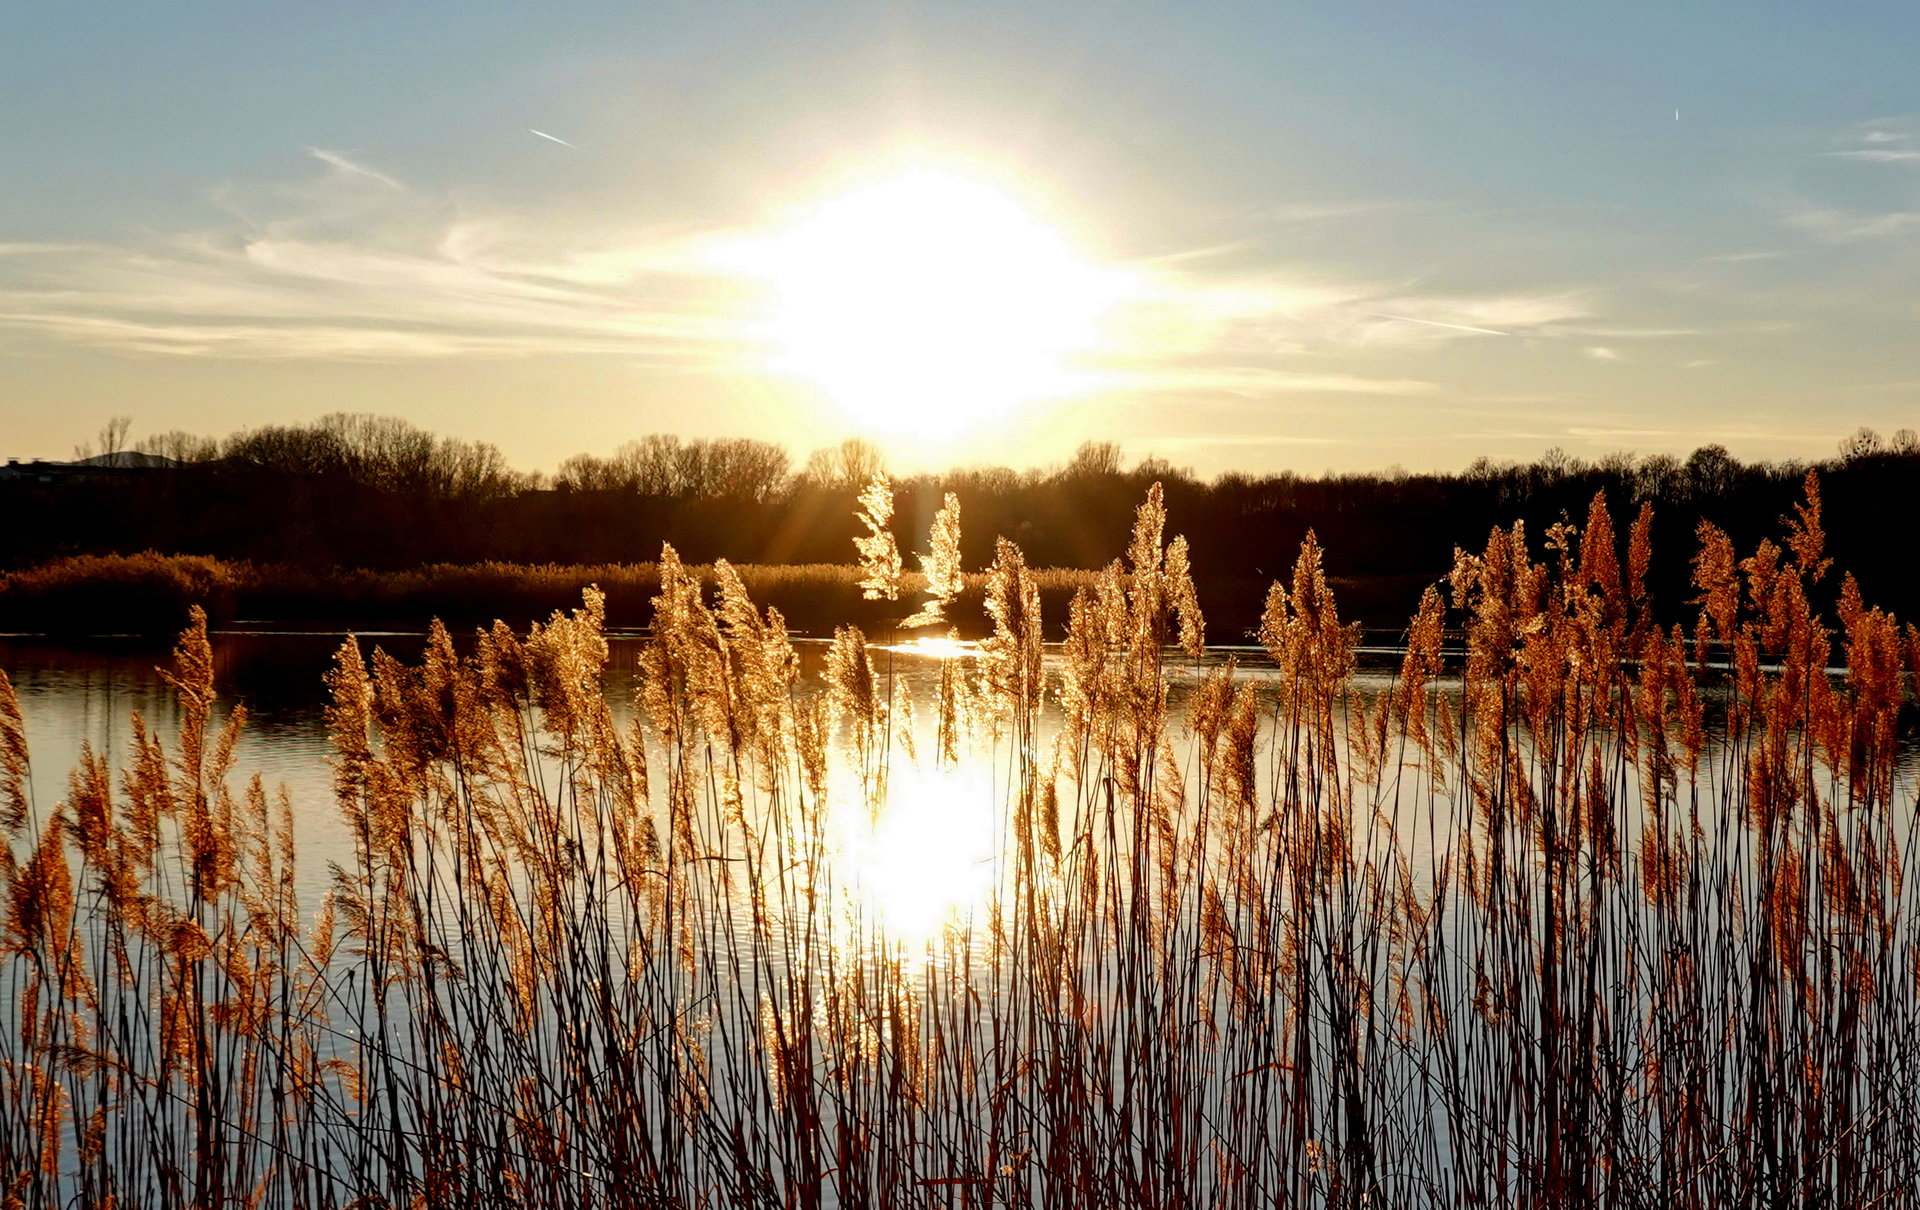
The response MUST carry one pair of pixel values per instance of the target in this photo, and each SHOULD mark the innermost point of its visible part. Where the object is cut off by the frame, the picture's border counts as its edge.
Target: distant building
(99, 466)
(33, 471)
(127, 460)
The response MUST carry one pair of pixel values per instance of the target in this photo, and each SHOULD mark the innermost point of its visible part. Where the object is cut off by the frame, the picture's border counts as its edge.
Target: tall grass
(1606, 914)
(117, 594)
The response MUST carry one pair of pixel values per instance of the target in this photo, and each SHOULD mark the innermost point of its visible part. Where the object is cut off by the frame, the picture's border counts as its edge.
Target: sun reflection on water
(934, 647)
(927, 858)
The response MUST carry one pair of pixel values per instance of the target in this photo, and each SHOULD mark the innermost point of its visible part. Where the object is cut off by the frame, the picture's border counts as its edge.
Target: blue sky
(1375, 233)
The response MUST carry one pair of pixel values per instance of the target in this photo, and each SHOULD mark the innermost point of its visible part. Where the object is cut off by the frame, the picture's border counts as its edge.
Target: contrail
(1434, 323)
(335, 160)
(551, 138)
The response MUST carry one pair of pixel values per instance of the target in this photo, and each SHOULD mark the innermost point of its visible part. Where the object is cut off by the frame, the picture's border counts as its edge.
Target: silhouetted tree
(354, 490)
(844, 467)
(1862, 443)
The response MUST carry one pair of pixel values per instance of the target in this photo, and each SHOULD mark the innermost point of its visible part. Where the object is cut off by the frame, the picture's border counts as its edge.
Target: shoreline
(151, 595)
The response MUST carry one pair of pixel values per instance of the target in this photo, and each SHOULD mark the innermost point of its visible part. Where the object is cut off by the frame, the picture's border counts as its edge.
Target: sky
(1237, 236)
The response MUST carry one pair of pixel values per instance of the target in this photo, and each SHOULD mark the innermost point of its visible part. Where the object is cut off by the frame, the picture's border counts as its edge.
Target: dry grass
(112, 594)
(1594, 924)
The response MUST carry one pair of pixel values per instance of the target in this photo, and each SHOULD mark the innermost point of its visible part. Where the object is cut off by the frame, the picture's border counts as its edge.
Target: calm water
(87, 692)
(75, 692)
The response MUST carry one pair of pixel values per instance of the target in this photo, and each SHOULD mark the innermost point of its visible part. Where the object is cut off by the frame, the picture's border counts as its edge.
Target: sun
(928, 302)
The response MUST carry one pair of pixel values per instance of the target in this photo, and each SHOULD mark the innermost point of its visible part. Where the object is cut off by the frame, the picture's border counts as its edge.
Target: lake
(1224, 942)
(86, 691)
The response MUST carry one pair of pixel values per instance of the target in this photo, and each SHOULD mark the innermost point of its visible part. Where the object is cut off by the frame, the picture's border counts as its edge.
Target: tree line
(376, 492)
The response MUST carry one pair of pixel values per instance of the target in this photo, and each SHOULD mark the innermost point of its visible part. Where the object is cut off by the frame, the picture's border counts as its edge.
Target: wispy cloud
(1255, 381)
(1240, 441)
(1625, 332)
(1510, 313)
(338, 342)
(1484, 435)
(1865, 208)
(27, 249)
(1602, 353)
(1877, 155)
(1504, 404)
(1610, 434)
(1907, 386)
(1308, 311)
(1314, 212)
(353, 266)
(1852, 226)
(349, 263)
(1881, 141)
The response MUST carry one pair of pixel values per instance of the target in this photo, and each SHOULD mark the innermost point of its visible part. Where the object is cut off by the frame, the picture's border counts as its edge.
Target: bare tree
(112, 438)
(1094, 460)
(180, 446)
(379, 452)
(1658, 477)
(844, 467)
(664, 466)
(1863, 442)
(740, 468)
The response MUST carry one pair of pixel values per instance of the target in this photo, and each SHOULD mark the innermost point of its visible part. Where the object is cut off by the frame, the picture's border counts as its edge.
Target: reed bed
(150, 593)
(1611, 913)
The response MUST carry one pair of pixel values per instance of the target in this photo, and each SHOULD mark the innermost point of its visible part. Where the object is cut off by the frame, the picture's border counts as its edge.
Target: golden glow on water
(927, 302)
(936, 647)
(927, 858)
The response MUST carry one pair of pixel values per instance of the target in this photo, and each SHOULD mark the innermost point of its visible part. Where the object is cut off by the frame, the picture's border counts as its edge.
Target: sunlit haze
(1233, 236)
(928, 303)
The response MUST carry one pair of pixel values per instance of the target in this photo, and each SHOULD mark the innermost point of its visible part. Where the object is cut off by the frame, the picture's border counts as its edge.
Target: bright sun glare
(928, 302)
(927, 857)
